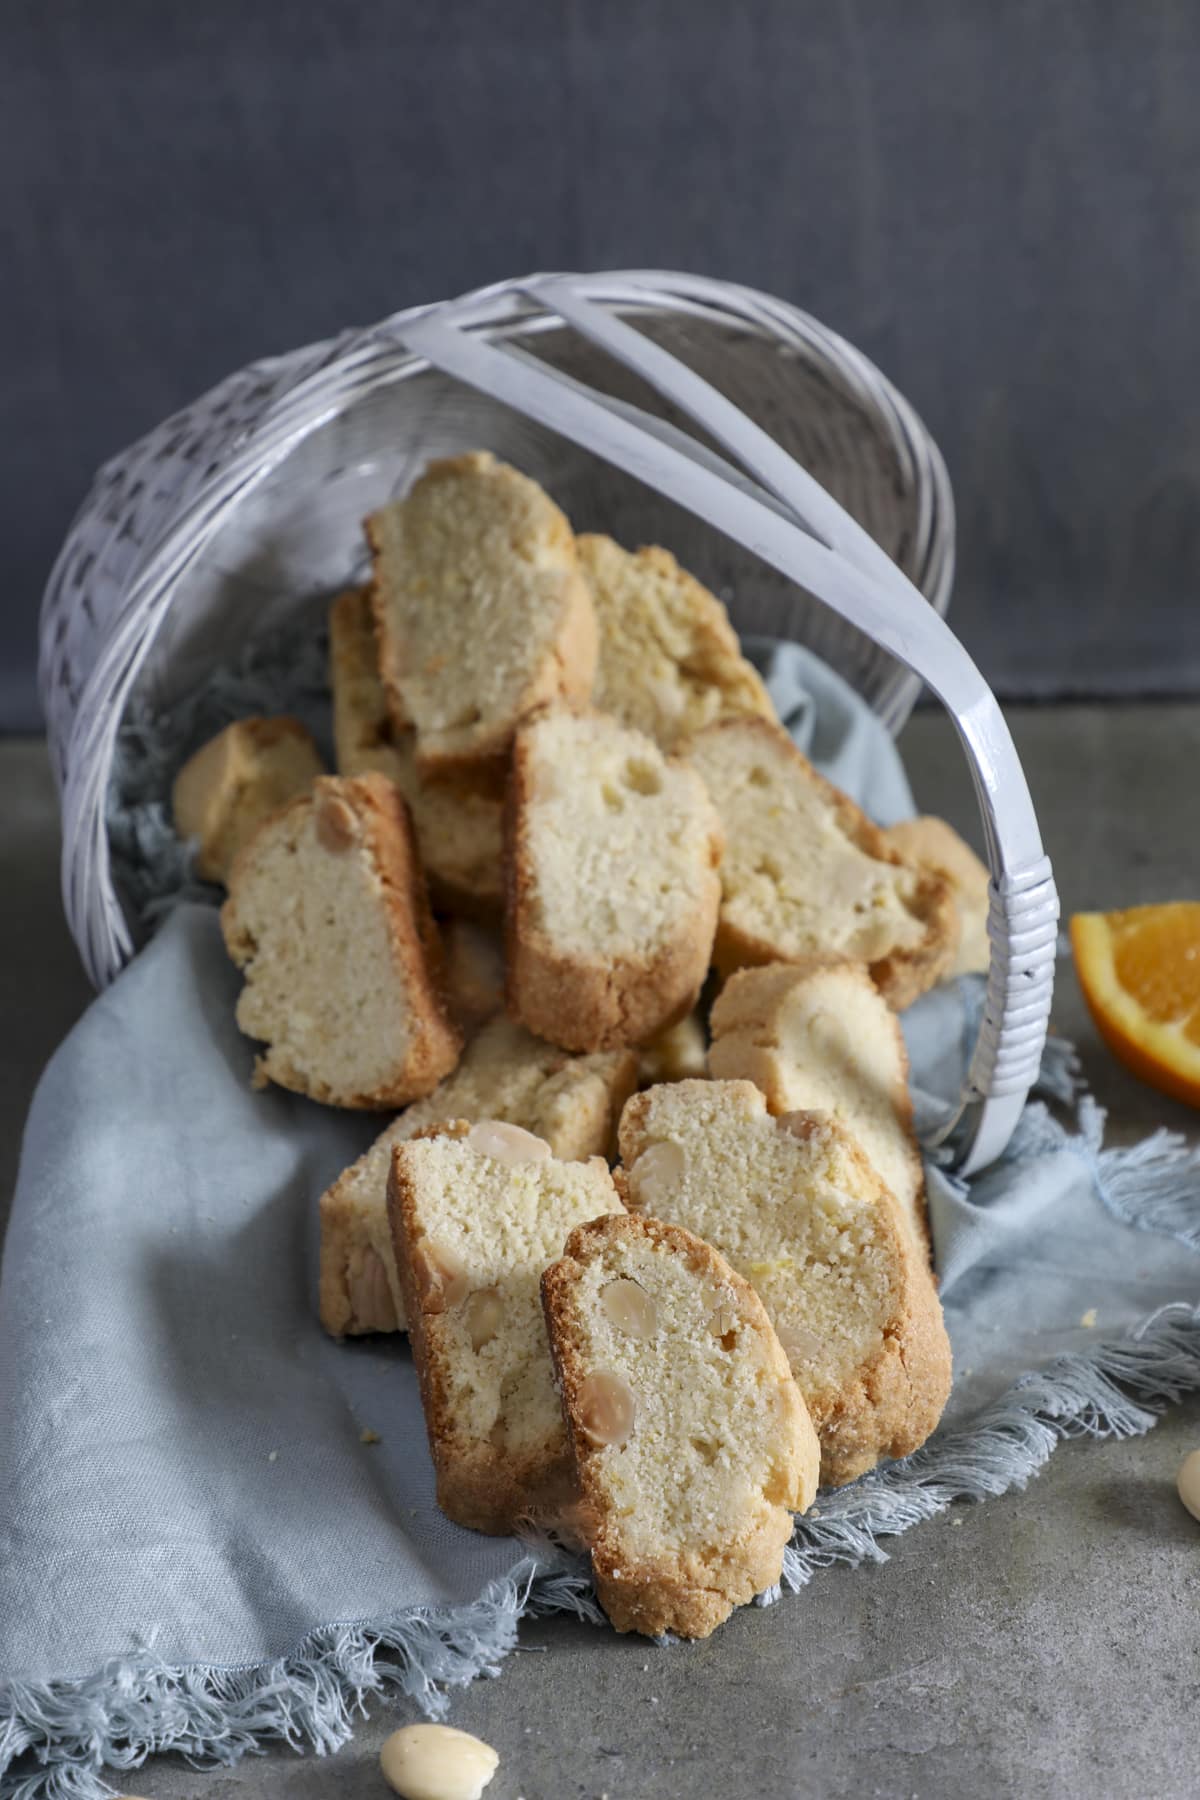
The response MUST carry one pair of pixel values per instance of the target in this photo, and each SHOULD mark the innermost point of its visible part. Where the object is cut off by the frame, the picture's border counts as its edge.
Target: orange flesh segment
(1156, 953)
(1140, 975)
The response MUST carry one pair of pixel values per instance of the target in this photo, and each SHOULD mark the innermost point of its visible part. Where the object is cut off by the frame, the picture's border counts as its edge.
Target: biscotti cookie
(670, 662)
(677, 1053)
(480, 606)
(805, 873)
(364, 735)
(328, 919)
(573, 1102)
(803, 1216)
(477, 1212)
(474, 957)
(691, 1444)
(460, 833)
(936, 845)
(819, 1037)
(459, 829)
(223, 793)
(611, 865)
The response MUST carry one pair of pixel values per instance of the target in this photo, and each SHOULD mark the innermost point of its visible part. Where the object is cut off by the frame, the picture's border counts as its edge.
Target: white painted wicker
(247, 505)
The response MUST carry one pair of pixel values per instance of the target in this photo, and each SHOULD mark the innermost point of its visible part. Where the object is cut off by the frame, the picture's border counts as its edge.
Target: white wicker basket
(247, 505)
(249, 502)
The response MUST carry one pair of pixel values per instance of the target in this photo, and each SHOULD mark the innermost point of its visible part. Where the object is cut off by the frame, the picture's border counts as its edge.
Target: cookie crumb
(1089, 1318)
(367, 1436)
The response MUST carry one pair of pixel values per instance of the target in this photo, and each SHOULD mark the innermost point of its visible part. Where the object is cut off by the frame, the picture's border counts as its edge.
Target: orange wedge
(1140, 975)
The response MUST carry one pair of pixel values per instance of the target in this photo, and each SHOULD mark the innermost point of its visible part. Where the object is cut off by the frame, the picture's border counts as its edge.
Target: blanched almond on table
(436, 1762)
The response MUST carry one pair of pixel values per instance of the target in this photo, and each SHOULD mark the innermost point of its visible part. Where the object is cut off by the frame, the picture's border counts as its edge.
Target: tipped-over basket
(814, 502)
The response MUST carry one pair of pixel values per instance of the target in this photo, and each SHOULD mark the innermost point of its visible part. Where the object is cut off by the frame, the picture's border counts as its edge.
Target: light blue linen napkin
(198, 1551)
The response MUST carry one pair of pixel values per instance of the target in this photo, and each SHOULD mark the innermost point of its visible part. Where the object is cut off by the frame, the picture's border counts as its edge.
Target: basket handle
(799, 529)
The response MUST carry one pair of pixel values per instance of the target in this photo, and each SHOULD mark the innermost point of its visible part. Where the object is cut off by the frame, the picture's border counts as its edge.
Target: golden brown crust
(904, 974)
(483, 1487)
(692, 1591)
(479, 903)
(389, 834)
(364, 728)
(354, 1291)
(928, 839)
(473, 961)
(387, 837)
(602, 1004)
(678, 1052)
(936, 845)
(235, 782)
(568, 668)
(457, 822)
(897, 1396)
(745, 1046)
(668, 653)
(575, 1105)
(335, 1309)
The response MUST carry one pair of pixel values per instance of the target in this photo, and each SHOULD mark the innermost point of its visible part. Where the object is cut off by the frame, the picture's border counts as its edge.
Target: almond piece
(337, 825)
(506, 1143)
(606, 1408)
(630, 1309)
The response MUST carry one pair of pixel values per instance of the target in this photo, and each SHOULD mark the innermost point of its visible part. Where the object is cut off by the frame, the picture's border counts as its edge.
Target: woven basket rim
(334, 372)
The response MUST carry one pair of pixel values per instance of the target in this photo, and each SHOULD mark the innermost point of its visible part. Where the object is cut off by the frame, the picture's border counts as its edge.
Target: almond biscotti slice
(818, 1036)
(364, 735)
(805, 873)
(936, 845)
(460, 832)
(691, 1444)
(613, 890)
(328, 919)
(459, 829)
(474, 971)
(223, 793)
(573, 1102)
(677, 1053)
(670, 661)
(481, 608)
(477, 1213)
(803, 1216)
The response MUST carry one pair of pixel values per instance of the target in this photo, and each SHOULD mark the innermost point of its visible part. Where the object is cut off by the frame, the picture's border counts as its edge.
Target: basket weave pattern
(178, 530)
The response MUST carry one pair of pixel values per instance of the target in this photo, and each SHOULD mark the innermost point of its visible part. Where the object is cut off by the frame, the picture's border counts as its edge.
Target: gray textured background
(1001, 205)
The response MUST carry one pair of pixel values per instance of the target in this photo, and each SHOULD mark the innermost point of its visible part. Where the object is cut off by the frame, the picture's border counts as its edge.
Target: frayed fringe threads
(1153, 1186)
(138, 1706)
(1119, 1390)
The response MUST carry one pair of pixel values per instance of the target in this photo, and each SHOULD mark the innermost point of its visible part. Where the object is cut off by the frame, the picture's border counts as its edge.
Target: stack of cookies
(624, 969)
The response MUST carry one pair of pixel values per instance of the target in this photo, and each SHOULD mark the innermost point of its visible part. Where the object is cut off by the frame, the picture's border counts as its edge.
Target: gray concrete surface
(1042, 1645)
